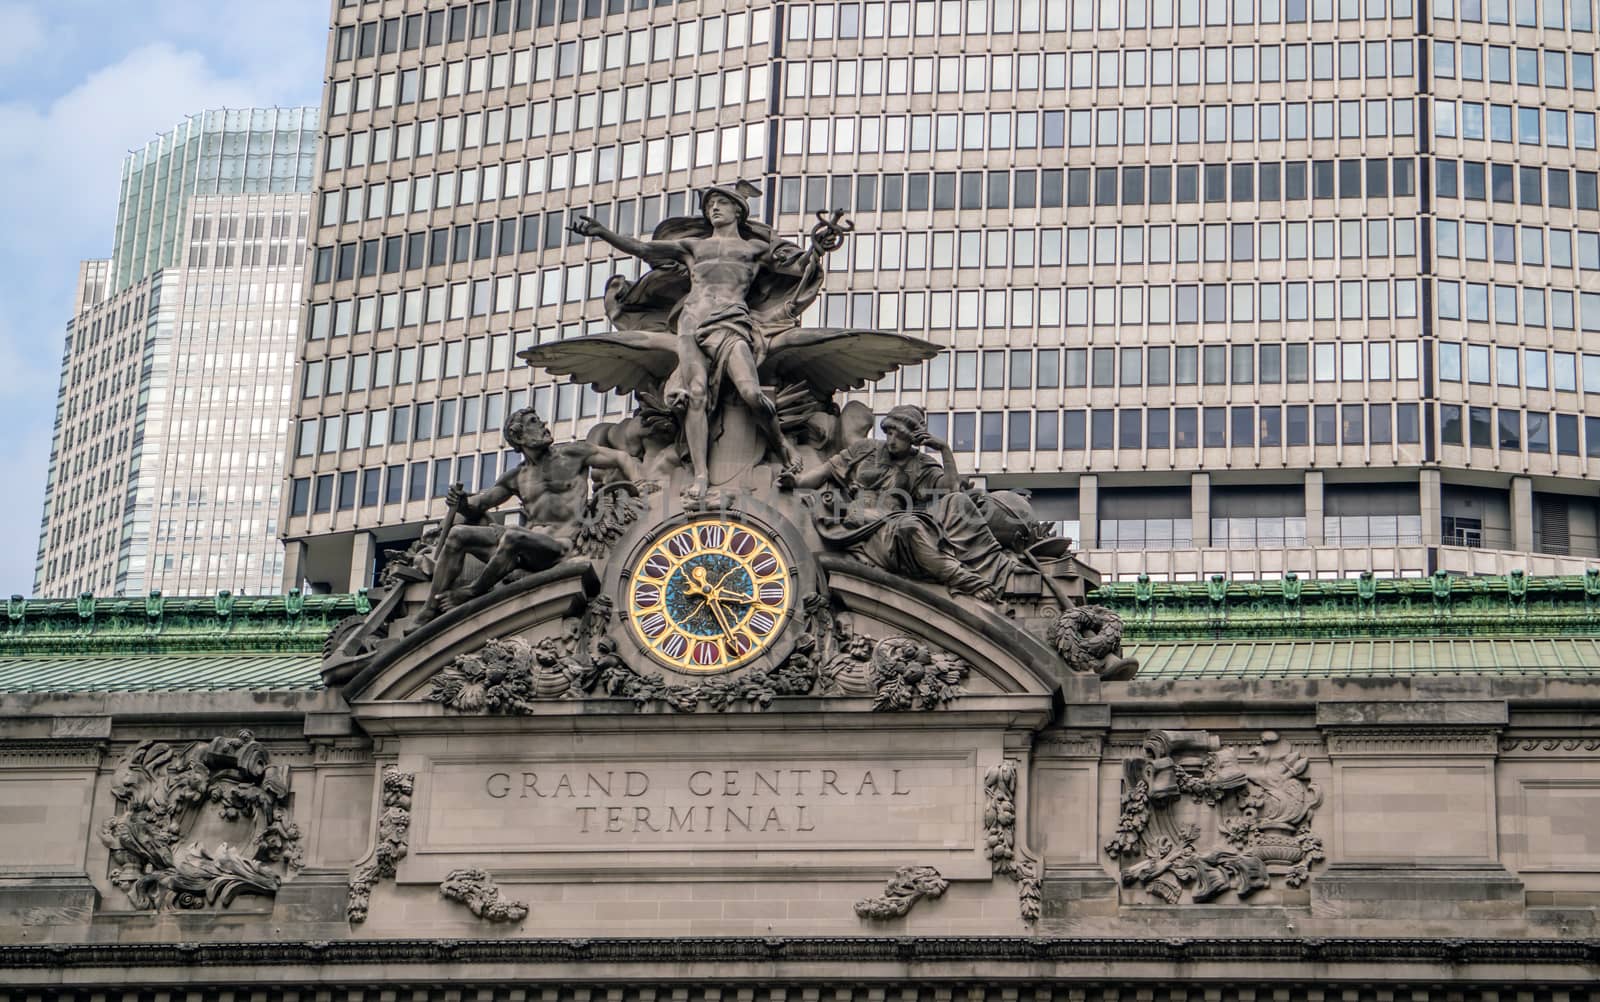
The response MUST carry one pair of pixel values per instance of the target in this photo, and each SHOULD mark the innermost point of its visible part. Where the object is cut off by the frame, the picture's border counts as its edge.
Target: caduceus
(826, 237)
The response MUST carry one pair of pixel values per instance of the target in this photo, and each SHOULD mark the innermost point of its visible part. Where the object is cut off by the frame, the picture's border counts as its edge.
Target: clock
(709, 596)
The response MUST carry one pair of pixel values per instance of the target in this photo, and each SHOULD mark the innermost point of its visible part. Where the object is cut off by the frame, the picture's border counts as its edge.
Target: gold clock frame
(708, 596)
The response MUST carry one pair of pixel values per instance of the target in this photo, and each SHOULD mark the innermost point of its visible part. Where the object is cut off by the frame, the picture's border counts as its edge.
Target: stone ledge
(609, 952)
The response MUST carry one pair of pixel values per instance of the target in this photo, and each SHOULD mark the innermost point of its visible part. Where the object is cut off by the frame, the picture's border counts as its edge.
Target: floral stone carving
(162, 793)
(512, 676)
(1089, 640)
(394, 833)
(909, 885)
(474, 888)
(1199, 818)
(1000, 836)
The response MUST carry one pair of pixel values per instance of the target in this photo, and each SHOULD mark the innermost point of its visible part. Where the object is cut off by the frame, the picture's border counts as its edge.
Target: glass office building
(173, 408)
(1240, 287)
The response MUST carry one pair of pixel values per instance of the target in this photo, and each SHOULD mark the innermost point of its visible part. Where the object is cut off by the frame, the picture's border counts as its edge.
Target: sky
(82, 82)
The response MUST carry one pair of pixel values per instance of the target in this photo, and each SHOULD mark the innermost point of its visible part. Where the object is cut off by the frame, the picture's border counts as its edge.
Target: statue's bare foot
(454, 598)
(695, 493)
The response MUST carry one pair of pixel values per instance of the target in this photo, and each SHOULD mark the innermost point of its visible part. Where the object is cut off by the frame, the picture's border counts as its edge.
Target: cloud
(23, 34)
(60, 170)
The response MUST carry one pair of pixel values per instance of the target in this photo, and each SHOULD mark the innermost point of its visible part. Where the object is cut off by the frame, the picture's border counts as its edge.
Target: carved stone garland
(473, 887)
(511, 676)
(909, 885)
(161, 792)
(1000, 837)
(1197, 819)
(394, 833)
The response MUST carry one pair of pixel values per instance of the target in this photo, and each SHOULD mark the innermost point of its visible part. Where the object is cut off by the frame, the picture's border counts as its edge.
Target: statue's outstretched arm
(652, 251)
(602, 457)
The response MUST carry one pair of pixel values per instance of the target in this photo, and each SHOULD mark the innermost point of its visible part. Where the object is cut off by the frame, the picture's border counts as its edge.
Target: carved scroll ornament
(161, 793)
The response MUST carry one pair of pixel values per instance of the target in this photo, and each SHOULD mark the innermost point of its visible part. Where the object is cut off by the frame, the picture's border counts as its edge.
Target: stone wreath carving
(394, 833)
(1089, 640)
(1199, 819)
(512, 676)
(1000, 837)
(909, 885)
(162, 792)
(474, 888)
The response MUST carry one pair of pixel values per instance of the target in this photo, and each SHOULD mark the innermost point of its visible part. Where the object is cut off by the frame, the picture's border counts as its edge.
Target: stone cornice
(1413, 741)
(604, 954)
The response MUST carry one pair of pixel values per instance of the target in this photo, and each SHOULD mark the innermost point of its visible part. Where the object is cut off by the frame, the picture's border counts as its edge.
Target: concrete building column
(362, 550)
(1522, 514)
(1315, 532)
(1200, 509)
(1429, 504)
(1088, 511)
(294, 564)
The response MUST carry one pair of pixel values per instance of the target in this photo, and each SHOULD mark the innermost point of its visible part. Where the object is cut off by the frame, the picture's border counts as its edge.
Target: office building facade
(1246, 288)
(167, 459)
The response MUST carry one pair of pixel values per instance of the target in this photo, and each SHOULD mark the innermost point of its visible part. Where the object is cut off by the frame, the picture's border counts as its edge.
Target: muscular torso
(552, 490)
(721, 272)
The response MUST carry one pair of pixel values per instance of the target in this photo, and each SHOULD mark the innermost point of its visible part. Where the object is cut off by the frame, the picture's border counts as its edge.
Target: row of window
(1531, 65)
(403, 366)
(1180, 184)
(1291, 426)
(951, 17)
(479, 20)
(1528, 367)
(1164, 365)
(1260, 532)
(1082, 70)
(1479, 182)
(1505, 428)
(1044, 308)
(1524, 125)
(1500, 242)
(1576, 15)
(1158, 243)
(1479, 302)
(733, 144)
(1141, 127)
(479, 74)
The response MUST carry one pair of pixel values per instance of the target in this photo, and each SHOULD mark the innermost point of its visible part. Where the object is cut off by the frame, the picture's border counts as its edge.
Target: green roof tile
(160, 673)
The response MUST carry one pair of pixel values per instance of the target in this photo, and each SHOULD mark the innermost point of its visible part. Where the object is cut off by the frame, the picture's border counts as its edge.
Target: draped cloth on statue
(899, 517)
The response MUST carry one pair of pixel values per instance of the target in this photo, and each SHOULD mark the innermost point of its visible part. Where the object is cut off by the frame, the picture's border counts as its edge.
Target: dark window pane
(1450, 424)
(1243, 431)
(1326, 426)
(1101, 423)
(1215, 427)
(1129, 426)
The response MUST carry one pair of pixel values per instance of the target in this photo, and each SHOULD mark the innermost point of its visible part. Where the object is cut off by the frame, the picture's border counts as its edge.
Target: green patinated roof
(1366, 627)
(160, 673)
(1372, 658)
(1360, 628)
(159, 644)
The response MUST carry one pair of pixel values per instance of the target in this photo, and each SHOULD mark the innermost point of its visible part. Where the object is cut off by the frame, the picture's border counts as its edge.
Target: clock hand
(716, 610)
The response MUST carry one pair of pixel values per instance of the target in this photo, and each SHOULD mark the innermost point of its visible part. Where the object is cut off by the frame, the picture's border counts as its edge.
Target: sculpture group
(735, 404)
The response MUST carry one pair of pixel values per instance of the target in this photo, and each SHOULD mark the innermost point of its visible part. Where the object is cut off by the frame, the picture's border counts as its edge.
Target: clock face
(709, 596)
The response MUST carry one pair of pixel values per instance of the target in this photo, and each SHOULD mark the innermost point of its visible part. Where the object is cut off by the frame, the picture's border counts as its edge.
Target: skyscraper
(167, 458)
(1246, 288)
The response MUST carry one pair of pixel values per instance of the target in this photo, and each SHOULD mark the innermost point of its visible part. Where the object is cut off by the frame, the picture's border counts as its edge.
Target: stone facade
(1292, 838)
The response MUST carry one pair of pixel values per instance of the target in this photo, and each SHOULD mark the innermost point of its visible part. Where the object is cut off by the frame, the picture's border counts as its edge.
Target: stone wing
(830, 359)
(628, 361)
